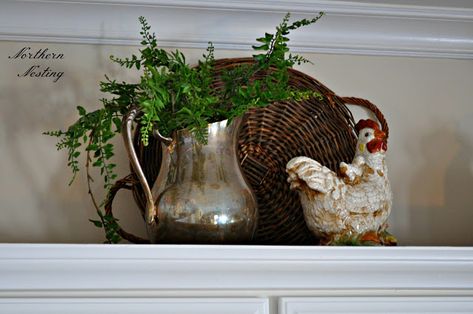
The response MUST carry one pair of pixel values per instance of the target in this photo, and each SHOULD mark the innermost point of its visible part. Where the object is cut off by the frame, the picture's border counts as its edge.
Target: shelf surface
(39, 268)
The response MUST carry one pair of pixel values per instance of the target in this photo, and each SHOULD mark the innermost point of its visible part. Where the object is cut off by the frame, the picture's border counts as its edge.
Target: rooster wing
(317, 177)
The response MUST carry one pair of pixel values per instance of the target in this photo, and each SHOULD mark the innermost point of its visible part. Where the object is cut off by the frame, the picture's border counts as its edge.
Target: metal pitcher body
(200, 195)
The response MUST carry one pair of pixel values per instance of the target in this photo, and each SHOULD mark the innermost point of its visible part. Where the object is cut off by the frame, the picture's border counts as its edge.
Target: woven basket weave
(269, 137)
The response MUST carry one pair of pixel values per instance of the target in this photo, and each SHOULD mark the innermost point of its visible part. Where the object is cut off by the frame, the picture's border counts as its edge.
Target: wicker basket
(269, 137)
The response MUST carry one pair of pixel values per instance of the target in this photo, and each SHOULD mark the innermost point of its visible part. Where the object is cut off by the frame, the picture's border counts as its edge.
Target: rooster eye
(367, 134)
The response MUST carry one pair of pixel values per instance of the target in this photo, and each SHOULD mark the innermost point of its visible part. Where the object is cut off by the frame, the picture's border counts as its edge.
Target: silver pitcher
(200, 194)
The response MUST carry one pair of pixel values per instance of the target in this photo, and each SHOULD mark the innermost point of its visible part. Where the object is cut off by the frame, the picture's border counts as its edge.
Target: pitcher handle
(151, 212)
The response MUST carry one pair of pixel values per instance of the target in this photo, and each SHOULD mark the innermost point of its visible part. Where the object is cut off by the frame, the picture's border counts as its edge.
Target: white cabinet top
(39, 268)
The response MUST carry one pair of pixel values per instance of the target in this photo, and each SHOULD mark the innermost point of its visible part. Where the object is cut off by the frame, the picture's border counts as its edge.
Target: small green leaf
(262, 47)
(115, 239)
(96, 223)
(97, 163)
(81, 110)
(118, 124)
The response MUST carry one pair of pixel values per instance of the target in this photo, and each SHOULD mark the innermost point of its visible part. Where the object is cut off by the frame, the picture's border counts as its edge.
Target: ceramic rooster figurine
(350, 207)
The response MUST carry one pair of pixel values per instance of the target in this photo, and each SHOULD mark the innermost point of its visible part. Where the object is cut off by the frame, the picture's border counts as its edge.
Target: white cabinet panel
(346, 305)
(136, 305)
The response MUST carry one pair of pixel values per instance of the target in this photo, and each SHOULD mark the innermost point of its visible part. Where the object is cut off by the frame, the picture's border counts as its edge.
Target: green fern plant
(173, 95)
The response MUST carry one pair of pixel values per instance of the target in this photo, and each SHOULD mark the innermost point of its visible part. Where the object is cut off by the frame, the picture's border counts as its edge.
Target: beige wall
(428, 103)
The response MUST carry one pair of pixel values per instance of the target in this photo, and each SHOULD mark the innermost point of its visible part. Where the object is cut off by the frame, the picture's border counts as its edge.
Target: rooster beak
(379, 134)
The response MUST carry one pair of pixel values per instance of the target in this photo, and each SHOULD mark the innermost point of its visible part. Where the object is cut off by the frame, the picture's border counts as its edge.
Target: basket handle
(126, 183)
(369, 105)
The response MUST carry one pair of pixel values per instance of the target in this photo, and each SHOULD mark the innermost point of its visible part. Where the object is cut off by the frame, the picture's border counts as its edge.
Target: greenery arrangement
(173, 95)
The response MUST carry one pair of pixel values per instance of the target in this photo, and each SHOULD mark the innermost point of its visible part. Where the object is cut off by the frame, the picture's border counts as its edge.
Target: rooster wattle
(351, 207)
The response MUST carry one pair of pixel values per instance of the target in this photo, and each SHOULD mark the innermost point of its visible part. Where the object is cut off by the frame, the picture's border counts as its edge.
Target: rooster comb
(368, 123)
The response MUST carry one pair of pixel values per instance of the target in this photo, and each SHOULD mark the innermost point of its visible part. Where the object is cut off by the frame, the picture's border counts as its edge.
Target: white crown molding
(39, 270)
(349, 27)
